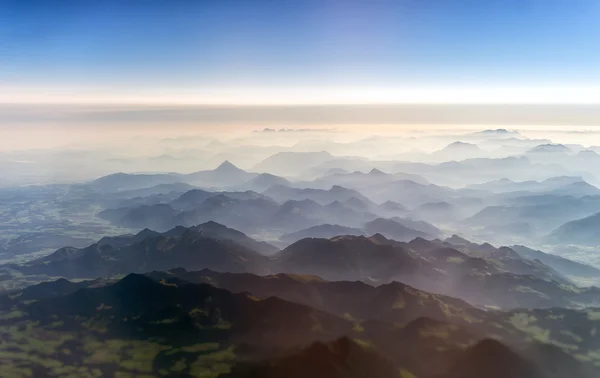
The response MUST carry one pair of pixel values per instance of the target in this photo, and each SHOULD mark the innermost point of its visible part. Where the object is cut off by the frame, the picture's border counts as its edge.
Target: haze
(298, 189)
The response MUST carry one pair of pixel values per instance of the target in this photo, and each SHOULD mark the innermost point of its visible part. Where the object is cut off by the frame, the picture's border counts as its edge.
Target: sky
(299, 52)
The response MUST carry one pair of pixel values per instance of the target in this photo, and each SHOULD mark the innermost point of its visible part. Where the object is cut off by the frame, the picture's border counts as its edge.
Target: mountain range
(464, 256)
(225, 175)
(187, 323)
(478, 273)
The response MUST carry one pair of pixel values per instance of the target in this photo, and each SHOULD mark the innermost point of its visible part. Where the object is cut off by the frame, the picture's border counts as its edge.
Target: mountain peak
(227, 166)
(210, 225)
(376, 172)
(550, 148)
(458, 145)
(391, 205)
(379, 239)
(457, 240)
(146, 232)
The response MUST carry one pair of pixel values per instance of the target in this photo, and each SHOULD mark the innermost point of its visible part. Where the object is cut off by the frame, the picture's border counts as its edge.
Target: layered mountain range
(529, 211)
(461, 261)
(479, 273)
(188, 323)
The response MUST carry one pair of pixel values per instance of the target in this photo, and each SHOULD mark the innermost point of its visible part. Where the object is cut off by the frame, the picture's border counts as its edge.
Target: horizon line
(276, 97)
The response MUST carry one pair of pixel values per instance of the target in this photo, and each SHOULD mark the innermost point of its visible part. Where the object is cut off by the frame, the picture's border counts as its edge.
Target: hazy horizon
(90, 71)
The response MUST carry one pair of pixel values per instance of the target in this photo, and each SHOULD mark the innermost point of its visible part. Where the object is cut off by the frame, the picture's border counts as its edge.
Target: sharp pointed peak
(210, 225)
(226, 165)
(147, 232)
(378, 238)
(377, 172)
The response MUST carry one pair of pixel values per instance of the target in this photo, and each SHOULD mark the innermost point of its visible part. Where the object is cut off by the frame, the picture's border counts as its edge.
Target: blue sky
(180, 46)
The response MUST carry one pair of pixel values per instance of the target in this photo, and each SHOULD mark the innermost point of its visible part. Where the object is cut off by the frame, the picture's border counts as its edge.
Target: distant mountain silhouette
(225, 175)
(126, 181)
(500, 133)
(157, 216)
(393, 208)
(561, 264)
(244, 210)
(477, 170)
(420, 226)
(458, 151)
(358, 180)
(577, 189)
(336, 193)
(408, 192)
(393, 230)
(325, 231)
(582, 231)
(240, 212)
(550, 149)
(544, 212)
(292, 163)
(436, 212)
(168, 188)
(264, 181)
(571, 186)
(191, 198)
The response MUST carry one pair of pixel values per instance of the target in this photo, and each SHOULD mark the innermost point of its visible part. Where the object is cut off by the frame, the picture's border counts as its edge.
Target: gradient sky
(354, 51)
